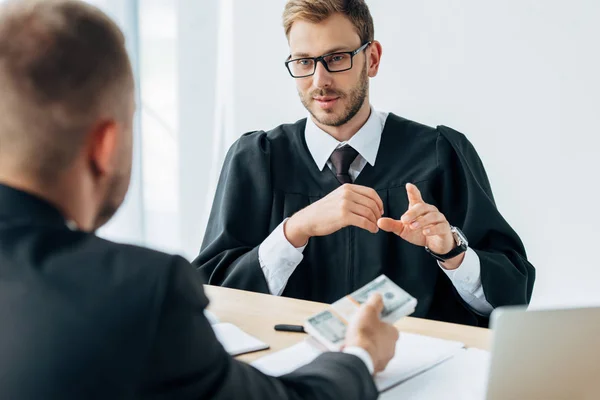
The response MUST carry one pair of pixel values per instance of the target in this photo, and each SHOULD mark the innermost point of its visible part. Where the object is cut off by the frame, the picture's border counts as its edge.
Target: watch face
(459, 237)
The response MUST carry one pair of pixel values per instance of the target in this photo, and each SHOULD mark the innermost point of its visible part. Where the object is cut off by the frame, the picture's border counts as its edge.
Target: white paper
(414, 354)
(287, 360)
(236, 341)
(463, 377)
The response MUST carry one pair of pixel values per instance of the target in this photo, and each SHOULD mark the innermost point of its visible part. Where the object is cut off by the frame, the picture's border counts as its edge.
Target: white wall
(521, 78)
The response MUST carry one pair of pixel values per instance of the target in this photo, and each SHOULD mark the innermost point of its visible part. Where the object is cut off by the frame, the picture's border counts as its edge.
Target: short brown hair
(63, 68)
(319, 10)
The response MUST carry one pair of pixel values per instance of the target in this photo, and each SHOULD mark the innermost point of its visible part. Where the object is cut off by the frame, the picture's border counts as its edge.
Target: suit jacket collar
(19, 207)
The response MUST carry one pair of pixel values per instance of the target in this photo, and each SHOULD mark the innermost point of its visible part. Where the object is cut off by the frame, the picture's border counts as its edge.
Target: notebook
(414, 354)
(236, 341)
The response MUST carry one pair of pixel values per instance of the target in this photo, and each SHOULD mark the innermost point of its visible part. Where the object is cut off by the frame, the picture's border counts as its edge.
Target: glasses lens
(302, 66)
(339, 61)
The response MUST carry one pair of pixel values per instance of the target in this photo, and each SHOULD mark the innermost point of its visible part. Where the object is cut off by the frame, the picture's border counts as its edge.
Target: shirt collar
(366, 141)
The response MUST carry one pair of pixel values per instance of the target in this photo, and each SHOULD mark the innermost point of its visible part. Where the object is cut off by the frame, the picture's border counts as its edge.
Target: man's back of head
(65, 78)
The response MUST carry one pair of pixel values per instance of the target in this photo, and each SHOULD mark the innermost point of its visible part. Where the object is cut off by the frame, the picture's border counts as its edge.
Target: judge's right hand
(348, 205)
(369, 332)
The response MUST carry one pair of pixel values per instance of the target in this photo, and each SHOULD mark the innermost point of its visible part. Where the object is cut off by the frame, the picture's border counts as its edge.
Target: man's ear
(374, 58)
(102, 147)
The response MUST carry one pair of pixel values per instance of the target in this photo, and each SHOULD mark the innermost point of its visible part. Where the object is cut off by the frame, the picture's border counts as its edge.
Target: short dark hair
(316, 11)
(63, 67)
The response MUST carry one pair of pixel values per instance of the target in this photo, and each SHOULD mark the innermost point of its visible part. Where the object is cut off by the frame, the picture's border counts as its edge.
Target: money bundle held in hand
(329, 326)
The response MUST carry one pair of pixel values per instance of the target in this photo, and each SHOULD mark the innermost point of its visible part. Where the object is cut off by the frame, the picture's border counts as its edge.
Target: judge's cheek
(304, 86)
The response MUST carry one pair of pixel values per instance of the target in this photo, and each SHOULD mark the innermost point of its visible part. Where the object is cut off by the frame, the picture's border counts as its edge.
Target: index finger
(370, 193)
(414, 194)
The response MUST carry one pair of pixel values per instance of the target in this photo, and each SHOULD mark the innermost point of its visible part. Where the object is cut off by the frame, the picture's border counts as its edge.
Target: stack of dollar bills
(329, 326)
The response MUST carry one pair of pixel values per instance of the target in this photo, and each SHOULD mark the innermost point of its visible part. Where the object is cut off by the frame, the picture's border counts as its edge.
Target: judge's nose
(322, 78)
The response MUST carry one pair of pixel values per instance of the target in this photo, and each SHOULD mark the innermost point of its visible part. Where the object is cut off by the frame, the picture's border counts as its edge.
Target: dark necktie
(341, 158)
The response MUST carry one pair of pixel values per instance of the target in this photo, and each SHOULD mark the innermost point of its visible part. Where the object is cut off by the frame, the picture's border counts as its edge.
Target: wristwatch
(461, 246)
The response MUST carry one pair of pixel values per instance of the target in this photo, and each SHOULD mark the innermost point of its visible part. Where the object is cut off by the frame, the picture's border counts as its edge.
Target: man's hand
(423, 225)
(369, 332)
(348, 205)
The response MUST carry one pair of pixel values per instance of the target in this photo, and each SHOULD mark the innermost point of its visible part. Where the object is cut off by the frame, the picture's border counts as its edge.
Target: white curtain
(224, 132)
(206, 122)
(182, 53)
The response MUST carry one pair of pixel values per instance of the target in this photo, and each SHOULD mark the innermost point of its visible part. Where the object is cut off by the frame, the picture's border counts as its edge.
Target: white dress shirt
(278, 258)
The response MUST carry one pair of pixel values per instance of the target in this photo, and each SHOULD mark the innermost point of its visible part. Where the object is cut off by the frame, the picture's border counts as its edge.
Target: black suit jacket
(83, 317)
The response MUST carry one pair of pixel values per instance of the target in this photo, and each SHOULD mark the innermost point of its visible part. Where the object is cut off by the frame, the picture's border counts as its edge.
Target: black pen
(289, 328)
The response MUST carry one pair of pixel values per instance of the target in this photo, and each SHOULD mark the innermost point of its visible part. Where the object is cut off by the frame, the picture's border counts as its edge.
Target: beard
(356, 97)
(117, 189)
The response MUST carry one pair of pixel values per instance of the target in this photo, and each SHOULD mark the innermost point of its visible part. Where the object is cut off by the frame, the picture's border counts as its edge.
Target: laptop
(545, 354)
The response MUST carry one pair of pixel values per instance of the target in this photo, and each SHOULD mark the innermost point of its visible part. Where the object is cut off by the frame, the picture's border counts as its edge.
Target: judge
(317, 208)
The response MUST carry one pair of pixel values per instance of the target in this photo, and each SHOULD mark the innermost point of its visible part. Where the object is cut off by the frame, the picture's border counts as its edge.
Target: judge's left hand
(423, 225)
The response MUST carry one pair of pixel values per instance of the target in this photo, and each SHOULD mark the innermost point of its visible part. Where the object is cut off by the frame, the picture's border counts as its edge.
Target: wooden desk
(257, 314)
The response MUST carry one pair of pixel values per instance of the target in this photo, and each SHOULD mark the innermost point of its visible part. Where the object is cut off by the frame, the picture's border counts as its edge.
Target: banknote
(329, 326)
(397, 302)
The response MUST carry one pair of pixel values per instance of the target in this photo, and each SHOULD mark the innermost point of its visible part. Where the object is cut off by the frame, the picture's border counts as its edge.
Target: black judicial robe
(268, 176)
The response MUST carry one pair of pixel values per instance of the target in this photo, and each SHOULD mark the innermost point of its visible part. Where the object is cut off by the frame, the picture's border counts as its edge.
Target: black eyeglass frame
(321, 59)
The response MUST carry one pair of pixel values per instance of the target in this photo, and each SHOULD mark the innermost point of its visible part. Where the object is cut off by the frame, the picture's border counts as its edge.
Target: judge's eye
(337, 58)
(304, 62)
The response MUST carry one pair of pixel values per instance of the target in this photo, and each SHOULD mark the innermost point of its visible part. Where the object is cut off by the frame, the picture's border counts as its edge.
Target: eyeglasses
(333, 62)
